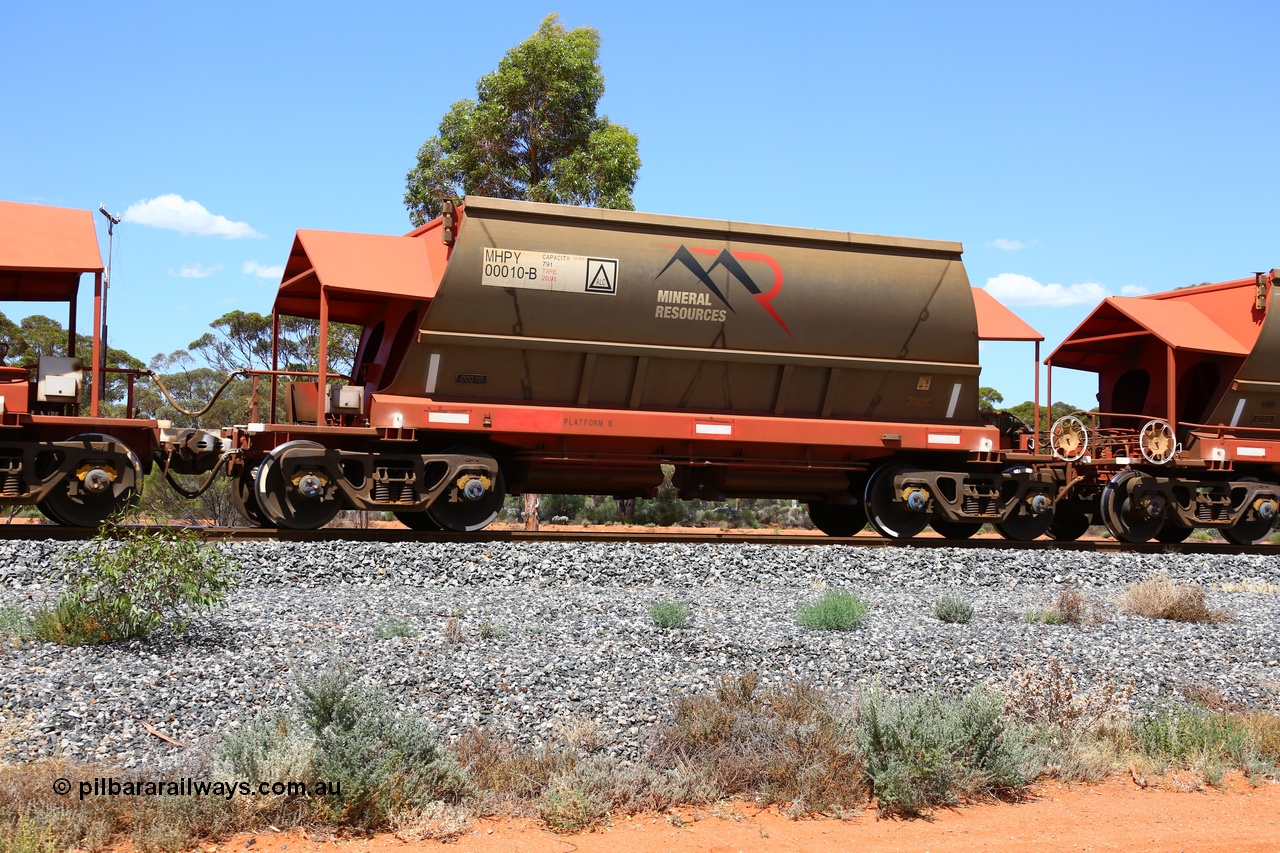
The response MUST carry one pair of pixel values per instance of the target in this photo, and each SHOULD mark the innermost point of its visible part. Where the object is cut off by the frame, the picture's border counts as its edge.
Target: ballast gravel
(532, 638)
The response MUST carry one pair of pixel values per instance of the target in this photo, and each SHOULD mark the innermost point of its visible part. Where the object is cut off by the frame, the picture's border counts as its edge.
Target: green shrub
(491, 630)
(28, 836)
(924, 752)
(14, 622)
(1048, 616)
(952, 609)
(669, 614)
(131, 581)
(569, 809)
(836, 611)
(395, 627)
(1184, 736)
(269, 749)
(382, 763)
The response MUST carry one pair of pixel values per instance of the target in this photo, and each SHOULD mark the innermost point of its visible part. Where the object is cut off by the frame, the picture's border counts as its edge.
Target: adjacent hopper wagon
(1186, 433)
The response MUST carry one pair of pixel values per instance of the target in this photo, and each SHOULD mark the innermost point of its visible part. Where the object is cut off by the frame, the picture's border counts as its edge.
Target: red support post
(95, 373)
(322, 390)
(275, 361)
(1036, 427)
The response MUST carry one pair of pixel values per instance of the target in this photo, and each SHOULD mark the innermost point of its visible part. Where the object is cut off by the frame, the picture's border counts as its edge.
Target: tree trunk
(531, 502)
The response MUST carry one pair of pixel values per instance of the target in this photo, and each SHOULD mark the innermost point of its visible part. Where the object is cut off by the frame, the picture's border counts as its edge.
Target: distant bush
(569, 506)
(836, 611)
(669, 614)
(952, 609)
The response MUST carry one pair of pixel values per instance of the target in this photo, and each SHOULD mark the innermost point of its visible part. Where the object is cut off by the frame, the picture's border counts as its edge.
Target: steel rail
(21, 532)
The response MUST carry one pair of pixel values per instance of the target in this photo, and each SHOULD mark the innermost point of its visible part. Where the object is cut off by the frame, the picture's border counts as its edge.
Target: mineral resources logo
(732, 262)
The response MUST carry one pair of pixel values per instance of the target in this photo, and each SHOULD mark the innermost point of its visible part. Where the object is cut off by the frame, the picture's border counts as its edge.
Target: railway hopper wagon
(512, 347)
(1186, 434)
(58, 450)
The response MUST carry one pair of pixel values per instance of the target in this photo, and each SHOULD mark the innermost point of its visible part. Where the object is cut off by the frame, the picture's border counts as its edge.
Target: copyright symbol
(61, 787)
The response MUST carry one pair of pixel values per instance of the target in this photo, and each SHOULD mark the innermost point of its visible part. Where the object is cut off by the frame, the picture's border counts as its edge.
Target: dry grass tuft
(1071, 605)
(508, 776)
(441, 822)
(1257, 587)
(1159, 597)
(786, 746)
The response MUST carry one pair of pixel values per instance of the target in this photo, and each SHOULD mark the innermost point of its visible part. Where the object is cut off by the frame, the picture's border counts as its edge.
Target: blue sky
(1076, 150)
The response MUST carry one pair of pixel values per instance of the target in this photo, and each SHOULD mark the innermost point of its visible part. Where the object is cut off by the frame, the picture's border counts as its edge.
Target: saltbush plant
(397, 627)
(924, 752)
(132, 580)
(669, 614)
(951, 608)
(382, 763)
(837, 610)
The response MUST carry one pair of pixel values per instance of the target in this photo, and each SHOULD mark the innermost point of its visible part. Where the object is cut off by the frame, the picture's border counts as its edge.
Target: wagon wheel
(1068, 524)
(838, 519)
(301, 505)
(1023, 524)
(419, 521)
(472, 502)
(244, 498)
(954, 529)
(1250, 531)
(101, 487)
(888, 514)
(1128, 520)
(1157, 442)
(1172, 533)
(1069, 438)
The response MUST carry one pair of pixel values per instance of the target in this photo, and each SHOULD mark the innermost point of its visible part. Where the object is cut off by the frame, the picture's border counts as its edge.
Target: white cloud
(1006, 245)
(174, 213)
(1013, 289)
(196, 271)
(262, 271)
(1133, 290)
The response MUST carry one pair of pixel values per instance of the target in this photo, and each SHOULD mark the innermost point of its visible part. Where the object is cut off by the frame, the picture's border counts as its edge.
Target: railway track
(864, 540)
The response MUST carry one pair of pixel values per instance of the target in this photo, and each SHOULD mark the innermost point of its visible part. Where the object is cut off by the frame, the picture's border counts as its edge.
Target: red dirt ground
(1116, 815)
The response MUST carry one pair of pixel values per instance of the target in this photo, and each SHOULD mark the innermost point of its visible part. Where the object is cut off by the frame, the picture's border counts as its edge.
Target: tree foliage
(988, 398)
(242, 339)
(531, 133)
(38, 335)
(1048, 414)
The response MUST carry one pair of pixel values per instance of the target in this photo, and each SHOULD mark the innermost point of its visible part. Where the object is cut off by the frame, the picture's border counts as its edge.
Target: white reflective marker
(433, 371)
(448, 417)
(713, 429)
(955, 398)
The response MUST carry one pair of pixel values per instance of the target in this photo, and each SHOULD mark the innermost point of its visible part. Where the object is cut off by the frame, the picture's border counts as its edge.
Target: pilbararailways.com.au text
(107, 786)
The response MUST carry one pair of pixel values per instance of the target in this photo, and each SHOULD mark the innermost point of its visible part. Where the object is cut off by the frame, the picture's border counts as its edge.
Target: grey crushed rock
(578, 644)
